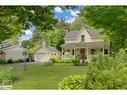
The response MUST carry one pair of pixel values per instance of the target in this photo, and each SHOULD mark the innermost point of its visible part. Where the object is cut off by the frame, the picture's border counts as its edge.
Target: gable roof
(52, 48)
(93, 32)
(73, 34)
(48, 48)
(15, 47)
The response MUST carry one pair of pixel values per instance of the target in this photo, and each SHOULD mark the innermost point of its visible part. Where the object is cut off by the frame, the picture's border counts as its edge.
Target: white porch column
(87, 52)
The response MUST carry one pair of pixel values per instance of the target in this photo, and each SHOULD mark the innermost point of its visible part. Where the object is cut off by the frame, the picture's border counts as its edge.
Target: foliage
(14, 19)
(76, 62)
(2, 62)
(106, 72)
(6, 75)
(107, 79)
(60, 60)
(121, 56)
(113, 21)
(78, 23)
(10, 61)
(55, 60)
(72, 82)
(20, 60)
(55, 38)
(103, 62)
(52, 35)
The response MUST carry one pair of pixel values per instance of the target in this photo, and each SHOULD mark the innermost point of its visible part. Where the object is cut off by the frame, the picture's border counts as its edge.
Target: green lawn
(39, 76)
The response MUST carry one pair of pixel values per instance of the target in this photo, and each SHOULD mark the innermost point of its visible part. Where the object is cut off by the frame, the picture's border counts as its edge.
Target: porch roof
(85, 45)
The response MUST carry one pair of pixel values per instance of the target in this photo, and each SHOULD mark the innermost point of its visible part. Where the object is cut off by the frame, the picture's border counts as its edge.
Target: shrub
(103, 62)
(107, 79)
(76, 62)
(6, 75)
(60, 60)
(106, 72)
(10, 61)
(21, 60)
(121, 56)
(55, 60)
(2, 62)
(66, 60)
(72, 82)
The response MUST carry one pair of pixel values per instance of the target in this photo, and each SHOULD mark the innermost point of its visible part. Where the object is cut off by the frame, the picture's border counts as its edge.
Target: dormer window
(82, 38)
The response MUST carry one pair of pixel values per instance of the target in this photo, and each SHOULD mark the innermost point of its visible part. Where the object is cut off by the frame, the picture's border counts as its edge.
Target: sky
(67, 15)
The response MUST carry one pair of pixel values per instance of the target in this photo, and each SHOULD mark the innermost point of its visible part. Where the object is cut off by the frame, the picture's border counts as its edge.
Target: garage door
(42, 57)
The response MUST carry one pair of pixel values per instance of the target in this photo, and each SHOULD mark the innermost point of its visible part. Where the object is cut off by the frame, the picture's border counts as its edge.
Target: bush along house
(83, 44)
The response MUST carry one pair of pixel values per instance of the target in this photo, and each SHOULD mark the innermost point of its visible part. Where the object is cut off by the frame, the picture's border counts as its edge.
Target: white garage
(42, 57)
(44, 53)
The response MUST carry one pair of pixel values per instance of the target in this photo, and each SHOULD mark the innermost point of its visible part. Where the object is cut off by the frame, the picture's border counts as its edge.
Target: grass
(38, 76)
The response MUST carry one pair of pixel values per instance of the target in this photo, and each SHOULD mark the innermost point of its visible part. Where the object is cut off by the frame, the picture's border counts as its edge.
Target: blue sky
(67, 15)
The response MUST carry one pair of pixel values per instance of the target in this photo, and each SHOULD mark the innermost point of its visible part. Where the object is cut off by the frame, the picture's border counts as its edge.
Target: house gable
(89, 36)
(42, 49)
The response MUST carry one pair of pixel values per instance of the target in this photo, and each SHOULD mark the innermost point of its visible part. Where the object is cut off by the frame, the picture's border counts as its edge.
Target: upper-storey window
(82, 38)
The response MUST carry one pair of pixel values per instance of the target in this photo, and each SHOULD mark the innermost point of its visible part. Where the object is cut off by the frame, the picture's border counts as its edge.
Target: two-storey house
(84, 42)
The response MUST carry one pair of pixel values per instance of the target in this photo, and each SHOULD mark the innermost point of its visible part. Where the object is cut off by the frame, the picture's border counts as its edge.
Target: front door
(83, 54)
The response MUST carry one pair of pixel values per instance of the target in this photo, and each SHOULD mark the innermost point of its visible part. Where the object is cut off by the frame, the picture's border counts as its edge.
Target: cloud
(66, 17)
(28, 34)
(74, 13)
(58, 10)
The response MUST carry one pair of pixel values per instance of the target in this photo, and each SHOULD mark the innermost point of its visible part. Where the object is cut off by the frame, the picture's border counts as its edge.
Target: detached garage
(44, 53)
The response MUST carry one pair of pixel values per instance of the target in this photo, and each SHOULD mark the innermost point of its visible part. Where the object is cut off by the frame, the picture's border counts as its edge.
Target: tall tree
(113, 19)
(56, 37)
(14, 19)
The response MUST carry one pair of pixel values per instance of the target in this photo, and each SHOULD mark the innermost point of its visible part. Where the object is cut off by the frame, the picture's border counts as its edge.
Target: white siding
(88, 38)
(15, 53)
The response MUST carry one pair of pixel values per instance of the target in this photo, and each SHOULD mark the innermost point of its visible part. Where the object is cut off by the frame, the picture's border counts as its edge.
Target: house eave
(85, 44)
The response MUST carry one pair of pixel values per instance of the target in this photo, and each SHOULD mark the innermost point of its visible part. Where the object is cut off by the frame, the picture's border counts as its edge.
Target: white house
(45, 52)
(84, 42)
(13, 52)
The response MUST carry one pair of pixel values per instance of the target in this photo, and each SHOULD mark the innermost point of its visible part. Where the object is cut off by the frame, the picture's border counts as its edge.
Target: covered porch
(85, 49)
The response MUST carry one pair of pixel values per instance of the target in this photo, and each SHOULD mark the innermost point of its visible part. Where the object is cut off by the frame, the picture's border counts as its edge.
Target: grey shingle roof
(51, 48)
(93, 32)
(72, 34)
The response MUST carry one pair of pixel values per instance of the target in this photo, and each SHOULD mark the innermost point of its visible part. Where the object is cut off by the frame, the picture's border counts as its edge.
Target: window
(105, 51)
(82, 38)
(93, 51)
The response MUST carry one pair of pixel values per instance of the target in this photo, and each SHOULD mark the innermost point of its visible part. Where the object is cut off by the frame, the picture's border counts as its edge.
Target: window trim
(82, 38)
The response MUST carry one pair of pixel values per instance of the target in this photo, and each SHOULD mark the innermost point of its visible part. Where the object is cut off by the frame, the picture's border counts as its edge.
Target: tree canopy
(14, 19)
(113, 19)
